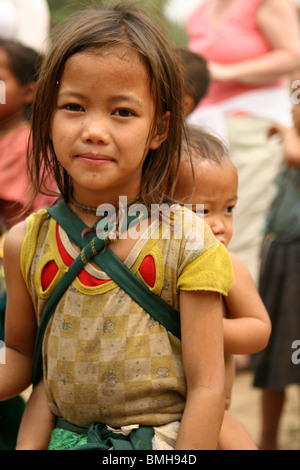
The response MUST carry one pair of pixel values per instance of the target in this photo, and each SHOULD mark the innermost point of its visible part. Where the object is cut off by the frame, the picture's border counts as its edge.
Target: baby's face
(216, 188)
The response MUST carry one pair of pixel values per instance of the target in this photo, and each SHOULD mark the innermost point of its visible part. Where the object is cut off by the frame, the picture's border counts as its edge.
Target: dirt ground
(246, 406)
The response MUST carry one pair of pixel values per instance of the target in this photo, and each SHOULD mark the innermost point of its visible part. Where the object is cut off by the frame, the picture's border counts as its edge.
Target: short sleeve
(210, 271)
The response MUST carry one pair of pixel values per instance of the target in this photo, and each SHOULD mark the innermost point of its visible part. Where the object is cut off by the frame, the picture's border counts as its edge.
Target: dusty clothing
(105, 358)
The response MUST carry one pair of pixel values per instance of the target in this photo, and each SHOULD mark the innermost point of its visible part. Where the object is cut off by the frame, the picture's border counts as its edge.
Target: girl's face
(215, 188)
(102, 122)
(16, 96)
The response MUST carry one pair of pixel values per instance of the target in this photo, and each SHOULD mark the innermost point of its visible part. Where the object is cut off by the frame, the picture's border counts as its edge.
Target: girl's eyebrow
(114, 99)
(70, 94)
(127, 97)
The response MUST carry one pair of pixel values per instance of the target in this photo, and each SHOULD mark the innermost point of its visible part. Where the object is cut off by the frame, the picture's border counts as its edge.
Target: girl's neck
(88, 213)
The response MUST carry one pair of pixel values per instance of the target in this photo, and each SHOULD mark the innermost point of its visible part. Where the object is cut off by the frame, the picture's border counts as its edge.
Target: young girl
(107, 122)
(246, 321)
(18, 74)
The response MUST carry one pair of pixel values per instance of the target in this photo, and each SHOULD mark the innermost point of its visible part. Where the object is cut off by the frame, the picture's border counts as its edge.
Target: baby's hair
(24, 63)
(92, 29)
(200, 145)
(195, 72)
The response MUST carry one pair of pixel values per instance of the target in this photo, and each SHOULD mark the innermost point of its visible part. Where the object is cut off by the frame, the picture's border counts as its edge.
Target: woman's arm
(37, 422)
(20, 321)
(248, 329)
(291, 143)
(278, 23)
(203, 360)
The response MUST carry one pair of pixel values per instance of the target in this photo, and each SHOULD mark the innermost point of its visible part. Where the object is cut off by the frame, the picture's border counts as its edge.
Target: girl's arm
(20, 321)
(248, 329)
(278, 23)
(37, 422)
(203, 360)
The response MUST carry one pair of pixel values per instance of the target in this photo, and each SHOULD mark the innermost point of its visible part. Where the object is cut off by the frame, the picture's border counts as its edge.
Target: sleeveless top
(105, 358)
(235, 38)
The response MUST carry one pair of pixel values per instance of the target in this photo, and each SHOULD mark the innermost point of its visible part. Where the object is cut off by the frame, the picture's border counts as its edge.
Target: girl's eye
(123, 112)
(73, 107)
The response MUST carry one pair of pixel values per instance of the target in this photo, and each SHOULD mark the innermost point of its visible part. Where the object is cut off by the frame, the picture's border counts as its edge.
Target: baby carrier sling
(94, 248)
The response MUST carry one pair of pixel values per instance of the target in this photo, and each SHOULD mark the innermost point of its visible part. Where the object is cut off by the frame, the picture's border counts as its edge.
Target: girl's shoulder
(31, 228)
(191, 228)
(18, 233)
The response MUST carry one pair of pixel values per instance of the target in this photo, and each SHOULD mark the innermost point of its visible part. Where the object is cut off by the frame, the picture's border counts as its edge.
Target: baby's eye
(73, 107)
(229, 209)
(123, 112)
(202, 211)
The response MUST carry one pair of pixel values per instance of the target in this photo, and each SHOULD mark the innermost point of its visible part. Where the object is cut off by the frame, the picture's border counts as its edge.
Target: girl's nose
(95, 130)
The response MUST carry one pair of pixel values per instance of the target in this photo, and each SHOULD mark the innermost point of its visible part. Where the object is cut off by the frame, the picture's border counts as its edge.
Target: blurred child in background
(19, 66)
(279, 282)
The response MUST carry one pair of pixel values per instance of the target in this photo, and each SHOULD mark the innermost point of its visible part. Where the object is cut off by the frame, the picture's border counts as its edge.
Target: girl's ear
(29, 93)
(162, 131)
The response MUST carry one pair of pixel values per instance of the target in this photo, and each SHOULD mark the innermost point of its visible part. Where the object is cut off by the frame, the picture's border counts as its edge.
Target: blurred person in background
(251, 46)
(27, 21)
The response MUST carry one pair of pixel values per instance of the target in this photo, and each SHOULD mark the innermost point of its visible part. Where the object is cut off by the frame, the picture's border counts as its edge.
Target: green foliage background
(62, 8)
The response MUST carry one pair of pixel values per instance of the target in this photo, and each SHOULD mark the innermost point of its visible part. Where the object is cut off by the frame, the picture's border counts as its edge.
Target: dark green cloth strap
(115, 269)
(95, 249)
(99, 437)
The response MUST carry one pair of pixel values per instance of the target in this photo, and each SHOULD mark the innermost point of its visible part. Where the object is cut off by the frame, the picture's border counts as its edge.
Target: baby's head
(212, 181)
(196, 77)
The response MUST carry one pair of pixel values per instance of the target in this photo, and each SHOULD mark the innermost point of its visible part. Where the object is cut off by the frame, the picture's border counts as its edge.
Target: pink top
(234, 39)
(13, 171)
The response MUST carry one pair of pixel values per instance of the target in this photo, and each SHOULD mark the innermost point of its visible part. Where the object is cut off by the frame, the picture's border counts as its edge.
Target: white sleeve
(8, 19)
(33, 23)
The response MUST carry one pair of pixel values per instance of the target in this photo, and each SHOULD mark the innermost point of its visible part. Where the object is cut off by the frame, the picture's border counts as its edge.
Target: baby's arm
(37, 422)
(234, 436)
(20, 321)
(248, 329)
(203, 360)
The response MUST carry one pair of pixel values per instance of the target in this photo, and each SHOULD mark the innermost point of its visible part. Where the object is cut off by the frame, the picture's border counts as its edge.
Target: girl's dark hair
(127, 25)
(24, 63)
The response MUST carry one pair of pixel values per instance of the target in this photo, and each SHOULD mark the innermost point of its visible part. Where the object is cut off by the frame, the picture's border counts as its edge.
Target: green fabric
(94, 247)
(62, 439)
(2, 313)
(11, 412)
(67, 436)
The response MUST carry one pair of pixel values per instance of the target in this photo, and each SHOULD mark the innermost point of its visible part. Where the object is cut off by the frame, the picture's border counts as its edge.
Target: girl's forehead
(115, 53)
